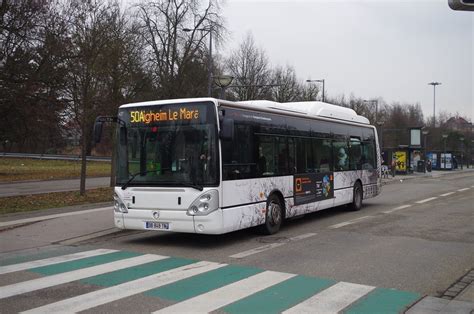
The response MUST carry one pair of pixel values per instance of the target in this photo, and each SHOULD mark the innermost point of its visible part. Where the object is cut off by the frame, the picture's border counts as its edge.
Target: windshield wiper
(134, 175)
(190, 185)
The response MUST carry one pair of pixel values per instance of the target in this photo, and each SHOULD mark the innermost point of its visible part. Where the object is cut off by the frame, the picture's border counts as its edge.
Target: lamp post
(443, 160)
(380, 124)
(425, 135)
(462, 150)
(376, 102)
(223, 82)
(209, 61)
(317, 81)
(434, 100)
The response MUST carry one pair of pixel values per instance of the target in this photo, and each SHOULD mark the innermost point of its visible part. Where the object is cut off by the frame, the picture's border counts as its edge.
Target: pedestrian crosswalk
(103, 277)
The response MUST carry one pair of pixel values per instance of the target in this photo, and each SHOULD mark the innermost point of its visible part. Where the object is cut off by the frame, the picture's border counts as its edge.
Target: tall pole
(376, 102)
(323, 91)
(434, 100)
(319, 81)
(209, 67)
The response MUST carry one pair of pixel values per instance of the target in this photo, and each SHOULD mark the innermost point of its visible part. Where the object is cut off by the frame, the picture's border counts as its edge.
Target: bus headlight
(123, 208)
(116, 203)
(204, 204)
(119, 207)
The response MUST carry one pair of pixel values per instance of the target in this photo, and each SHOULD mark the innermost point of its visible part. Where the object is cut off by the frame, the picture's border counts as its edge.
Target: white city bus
(212, 166)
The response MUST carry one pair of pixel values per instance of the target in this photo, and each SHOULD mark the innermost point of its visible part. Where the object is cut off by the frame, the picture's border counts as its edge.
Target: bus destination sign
(147, 117)
(313, 187)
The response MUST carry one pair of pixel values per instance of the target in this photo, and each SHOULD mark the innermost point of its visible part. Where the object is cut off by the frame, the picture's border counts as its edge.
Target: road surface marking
(270, 246)
(333, 299)
(447, 194)
(426, 200)
(208, 286)
(194, 286)
(395, 209)
(383, 300)
(107, 295)
(53, 260)
(279, 297)
(54, 280)
(218, 298)
(462, 190)
(41, 218)
(349, 222)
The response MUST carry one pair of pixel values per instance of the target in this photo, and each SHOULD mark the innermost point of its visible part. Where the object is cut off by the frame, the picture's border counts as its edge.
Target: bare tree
(287, 87)
(250, 67)
(89, 31)
(175, 33)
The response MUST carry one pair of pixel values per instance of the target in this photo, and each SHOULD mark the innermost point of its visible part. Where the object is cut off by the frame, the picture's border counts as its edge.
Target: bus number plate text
(157, 225)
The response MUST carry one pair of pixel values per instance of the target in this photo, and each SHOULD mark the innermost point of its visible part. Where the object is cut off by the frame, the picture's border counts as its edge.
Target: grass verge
(16, 204)
(19, 169)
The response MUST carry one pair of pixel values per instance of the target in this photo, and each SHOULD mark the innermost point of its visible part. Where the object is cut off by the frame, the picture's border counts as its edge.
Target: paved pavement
(415, 175)
(49, 186)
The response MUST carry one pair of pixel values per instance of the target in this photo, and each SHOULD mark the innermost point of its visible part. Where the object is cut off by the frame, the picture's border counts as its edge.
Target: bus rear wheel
(273, 216)
(357, 197)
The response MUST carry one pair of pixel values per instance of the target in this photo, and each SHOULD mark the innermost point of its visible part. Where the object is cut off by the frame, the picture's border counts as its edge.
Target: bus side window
(340, 153)
(322, 153)
(356, 159)
(368, 156)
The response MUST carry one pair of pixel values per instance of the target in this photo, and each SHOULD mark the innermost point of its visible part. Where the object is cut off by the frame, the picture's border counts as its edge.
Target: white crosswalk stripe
(96, 298)
(332, 300)
(218, 298)
(53, 260)
(54, 280)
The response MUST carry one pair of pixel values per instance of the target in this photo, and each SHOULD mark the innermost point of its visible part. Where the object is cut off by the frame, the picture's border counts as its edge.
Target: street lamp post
(318, 81)
(425, 135)
(445, 136)
(434, 100)
(462, 150)
(380, 124)
(209, 61)
(223, 82)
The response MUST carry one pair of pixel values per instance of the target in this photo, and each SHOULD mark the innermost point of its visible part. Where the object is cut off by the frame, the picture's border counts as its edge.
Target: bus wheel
(273, 216)
(356, 197)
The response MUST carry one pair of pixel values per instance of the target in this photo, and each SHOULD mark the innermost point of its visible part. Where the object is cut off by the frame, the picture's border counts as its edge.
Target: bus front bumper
(169, 220)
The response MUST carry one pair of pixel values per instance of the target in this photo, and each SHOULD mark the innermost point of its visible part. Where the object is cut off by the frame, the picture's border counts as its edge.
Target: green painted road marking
(383, 301)
(136, 272)
(280, 297)
(83, 263)
(30, 256)
(188, 288)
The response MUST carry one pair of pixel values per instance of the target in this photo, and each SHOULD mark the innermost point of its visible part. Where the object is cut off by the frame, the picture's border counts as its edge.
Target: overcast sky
(380, 48)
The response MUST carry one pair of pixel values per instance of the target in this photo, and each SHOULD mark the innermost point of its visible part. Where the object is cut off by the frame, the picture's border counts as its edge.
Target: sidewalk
(432, 174)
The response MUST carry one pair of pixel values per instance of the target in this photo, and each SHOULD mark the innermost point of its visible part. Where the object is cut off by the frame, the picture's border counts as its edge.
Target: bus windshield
(168, 145)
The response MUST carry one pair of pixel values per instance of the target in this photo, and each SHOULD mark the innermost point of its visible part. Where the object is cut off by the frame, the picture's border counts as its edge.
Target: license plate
(157, 225)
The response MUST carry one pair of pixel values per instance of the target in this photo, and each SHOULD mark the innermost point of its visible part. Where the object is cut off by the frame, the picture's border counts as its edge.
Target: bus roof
(306, 108)
(311, 109)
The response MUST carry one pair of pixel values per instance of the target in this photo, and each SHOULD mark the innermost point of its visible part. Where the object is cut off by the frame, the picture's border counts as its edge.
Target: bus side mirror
(227, 129)
(98, 125)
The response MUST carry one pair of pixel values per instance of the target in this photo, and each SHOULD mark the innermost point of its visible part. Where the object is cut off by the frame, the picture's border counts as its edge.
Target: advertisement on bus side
(313, 187)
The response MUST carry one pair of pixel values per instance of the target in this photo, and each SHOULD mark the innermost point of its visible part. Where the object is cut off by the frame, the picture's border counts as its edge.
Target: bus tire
(357, 197)
(273, 216)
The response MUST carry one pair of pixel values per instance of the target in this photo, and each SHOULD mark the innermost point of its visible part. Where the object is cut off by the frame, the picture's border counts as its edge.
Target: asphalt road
(417, 236)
